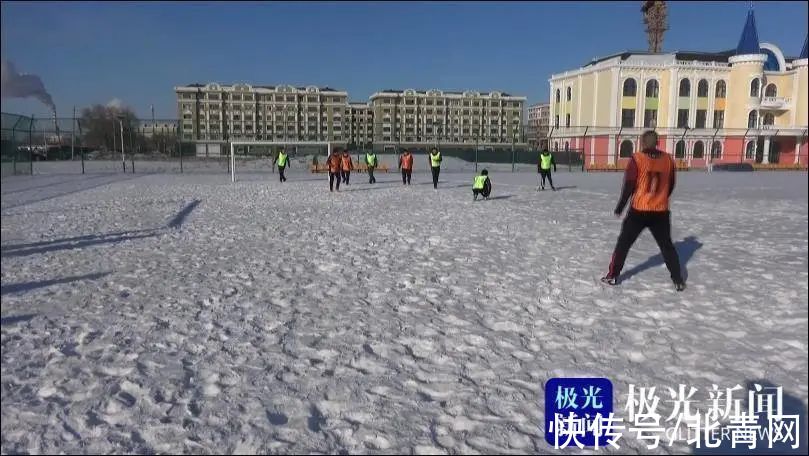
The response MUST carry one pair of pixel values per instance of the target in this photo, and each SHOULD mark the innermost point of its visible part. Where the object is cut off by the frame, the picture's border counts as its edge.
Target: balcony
(777, 103)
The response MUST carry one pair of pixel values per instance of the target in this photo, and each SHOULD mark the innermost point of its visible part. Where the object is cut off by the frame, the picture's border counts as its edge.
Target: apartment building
(214, 114)
(538, 125)
(360, 124)
(220, 113)
(147, 128)
(413, 117)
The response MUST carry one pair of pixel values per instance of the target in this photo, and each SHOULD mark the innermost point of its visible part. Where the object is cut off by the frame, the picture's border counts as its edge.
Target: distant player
(435, 166)
(546, 160)
(335, 166)
(649, 180)
(406, 165)
(346, 165)
(370, 162)
(282, 160)
(482, 186)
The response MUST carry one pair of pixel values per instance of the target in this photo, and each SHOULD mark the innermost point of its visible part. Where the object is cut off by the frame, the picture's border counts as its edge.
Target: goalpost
(233, 145)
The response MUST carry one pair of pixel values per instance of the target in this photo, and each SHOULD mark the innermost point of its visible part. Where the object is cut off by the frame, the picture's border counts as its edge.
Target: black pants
(281, 173)
(346, 176)
(406, 174)
(546, 173)
(659, 223)
(436, 171)
(334, 177)
(485, 191)
(371, 178)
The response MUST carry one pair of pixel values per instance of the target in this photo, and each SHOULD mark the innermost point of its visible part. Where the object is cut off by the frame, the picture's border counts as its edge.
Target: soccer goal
(296, 149)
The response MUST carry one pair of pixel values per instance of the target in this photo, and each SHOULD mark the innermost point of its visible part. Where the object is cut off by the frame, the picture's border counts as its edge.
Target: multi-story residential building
(538, 122)
(433, 117)
(360, 125)
(743, 105)
(147, 128)
(213, 114)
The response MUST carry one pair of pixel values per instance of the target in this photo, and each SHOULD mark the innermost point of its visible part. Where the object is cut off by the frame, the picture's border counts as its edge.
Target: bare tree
(655, 18)
(99, 126)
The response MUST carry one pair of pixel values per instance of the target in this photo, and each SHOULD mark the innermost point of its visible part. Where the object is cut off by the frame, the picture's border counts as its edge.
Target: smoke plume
(15, 85)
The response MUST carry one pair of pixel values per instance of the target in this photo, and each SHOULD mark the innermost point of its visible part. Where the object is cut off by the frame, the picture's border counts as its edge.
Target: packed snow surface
(184, 313)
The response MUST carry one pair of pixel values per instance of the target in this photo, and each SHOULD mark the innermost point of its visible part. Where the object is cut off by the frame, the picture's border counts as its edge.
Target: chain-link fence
(121, 144)
(16, 153)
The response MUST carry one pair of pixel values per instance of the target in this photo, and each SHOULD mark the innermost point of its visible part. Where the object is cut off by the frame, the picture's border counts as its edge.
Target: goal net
(255, 155)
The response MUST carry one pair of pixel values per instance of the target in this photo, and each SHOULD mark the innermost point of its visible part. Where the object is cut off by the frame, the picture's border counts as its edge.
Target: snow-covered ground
(182, 313)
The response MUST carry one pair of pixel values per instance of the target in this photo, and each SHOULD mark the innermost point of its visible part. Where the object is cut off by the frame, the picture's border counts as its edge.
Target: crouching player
(482, 186)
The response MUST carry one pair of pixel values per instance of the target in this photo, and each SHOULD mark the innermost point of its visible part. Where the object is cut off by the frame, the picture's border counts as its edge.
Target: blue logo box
(582, 397)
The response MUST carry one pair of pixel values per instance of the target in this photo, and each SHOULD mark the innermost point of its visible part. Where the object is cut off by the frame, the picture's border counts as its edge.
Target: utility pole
(73, 135)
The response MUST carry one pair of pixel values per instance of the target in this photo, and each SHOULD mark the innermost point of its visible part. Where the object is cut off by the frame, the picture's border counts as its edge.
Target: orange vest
(407, 161)
(334, 163)
(345, 160)
(652, 187)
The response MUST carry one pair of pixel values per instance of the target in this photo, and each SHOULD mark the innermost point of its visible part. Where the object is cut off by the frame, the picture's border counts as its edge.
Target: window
(627, 148)
(719, 119)
(721, 89)
(752, 119)
(769, 119)
(558, 95)
(679, 149)
(755, 85)
(699, 149)
(567, 120)
(702, 88)
(650, 118)
(716, 150)
(685, 88)
(702, 114)
(630, 88)
(569, 94)
(750, 150)
(652, 89)
(682, 118)
(627, 117)
(556, 121)
(771, 91)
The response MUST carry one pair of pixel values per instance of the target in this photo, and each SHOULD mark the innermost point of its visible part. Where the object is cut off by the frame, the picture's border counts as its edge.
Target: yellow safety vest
(480, 181)
(435, 160)
(370, 159)
(545, 161)
(282, 159)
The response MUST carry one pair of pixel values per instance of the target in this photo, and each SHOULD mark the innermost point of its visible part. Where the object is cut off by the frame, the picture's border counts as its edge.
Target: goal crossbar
(233, 145)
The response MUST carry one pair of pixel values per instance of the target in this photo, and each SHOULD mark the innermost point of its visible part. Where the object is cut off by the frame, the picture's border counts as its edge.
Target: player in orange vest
(649, 180)
(406, 164)
(333, 162)
(346, 165)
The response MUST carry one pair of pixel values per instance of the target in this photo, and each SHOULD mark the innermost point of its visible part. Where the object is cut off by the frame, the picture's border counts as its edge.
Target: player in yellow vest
(482, 186)
(282, 160)
(370, 162)
(435, 166)
(546, 160)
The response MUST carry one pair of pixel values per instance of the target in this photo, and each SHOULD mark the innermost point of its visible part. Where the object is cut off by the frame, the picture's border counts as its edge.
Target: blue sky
(137, 52)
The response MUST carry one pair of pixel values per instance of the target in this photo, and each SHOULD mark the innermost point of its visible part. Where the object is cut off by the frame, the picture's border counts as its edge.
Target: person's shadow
(790, 406)
(685, 250)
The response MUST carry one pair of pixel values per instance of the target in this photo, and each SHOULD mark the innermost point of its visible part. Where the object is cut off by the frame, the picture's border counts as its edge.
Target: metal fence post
(476, 156)
(512, 156)
(180, 149)
(82, 160)
(31, 144)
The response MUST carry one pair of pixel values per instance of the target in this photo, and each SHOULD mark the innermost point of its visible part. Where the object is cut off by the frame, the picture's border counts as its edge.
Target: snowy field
(182, 313)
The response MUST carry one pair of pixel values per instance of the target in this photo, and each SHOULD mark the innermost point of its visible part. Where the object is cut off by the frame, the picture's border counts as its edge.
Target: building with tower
(748, 104)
